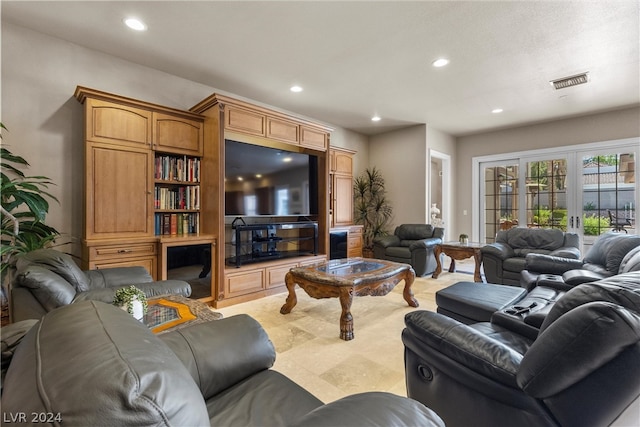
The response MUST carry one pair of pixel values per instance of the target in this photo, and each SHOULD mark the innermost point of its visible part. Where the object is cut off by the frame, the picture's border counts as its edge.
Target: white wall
(401, 157)
(39, 76)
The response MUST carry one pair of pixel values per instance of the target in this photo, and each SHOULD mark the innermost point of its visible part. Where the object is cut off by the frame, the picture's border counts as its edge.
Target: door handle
(571, 222)
(577, 222)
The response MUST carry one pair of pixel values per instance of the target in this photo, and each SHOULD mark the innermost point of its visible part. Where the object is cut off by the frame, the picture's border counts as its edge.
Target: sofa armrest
(151, 290)
(371, 409)
(465, 345)
(117, 276)
(580, 276)
(425, 243)
(498, 250)
(549, 264)
(221, 353)
(386, 241)
(566, 252)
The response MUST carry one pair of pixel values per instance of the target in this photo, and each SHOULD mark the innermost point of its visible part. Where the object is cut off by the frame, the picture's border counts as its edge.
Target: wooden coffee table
(346, 278)
(458, 251)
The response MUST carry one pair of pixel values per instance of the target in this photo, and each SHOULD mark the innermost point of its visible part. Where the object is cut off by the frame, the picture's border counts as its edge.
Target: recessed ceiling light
(441, 62)
(497, 110)
(375, 119)
(296, 89)
(135, 24)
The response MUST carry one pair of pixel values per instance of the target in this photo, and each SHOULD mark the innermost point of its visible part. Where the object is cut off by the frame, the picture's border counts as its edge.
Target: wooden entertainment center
(155, 179)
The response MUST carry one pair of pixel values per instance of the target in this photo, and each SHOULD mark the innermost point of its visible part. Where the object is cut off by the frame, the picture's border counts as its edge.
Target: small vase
(464, 240)
(138, 310)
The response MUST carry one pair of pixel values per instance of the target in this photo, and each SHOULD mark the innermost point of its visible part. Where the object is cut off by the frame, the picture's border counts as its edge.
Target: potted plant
(132, 300)
(464, 239)
(371, 207)
(23, 210)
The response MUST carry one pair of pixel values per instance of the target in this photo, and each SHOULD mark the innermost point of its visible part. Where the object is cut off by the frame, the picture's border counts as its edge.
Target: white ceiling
(360, 58)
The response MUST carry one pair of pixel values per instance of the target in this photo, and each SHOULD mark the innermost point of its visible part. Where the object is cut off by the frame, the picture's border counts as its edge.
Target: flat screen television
(265, 181)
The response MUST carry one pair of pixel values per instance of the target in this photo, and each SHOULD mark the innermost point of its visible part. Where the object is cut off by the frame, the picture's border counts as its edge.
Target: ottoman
(472, 302)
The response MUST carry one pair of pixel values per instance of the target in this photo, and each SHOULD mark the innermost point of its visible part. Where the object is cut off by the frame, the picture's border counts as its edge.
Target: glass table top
(346, 267)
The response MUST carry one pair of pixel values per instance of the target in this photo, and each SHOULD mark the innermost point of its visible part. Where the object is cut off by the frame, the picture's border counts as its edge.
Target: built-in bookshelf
(177, 194)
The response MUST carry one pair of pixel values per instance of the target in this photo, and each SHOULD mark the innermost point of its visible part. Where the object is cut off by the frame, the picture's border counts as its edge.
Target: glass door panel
(546, 193)
(609, 199)
(500, 198)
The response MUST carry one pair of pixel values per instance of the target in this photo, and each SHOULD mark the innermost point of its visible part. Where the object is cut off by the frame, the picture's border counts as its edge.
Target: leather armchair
(92, 364)
(411, 244)
(46, 279)
(612, 253)
(581, 370)
(504, 260)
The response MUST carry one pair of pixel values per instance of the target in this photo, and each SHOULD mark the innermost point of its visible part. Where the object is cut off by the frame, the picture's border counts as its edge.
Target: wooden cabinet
(341, 187)
(117, 124)
(228, 118)
(354, 241)
(122, 139)
(176, 134)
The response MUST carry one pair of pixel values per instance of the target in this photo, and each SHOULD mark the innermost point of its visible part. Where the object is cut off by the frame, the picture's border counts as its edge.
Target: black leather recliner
(504, 260)
(411, 244)
(581, 370)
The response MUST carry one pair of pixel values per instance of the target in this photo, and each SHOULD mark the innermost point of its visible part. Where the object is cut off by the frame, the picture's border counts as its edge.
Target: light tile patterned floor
(309, 349)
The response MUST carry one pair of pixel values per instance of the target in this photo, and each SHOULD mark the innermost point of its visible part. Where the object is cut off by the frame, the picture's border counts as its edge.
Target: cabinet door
(117, 124)
(282, 130)
(313, 138)
(174, 134)
(343, 163)
(342, 200)
(245, 121)
(119, 200)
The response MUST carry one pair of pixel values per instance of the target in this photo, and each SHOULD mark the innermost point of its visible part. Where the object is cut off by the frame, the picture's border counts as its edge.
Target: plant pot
(137, 311)
(464, 240)
(367, 253)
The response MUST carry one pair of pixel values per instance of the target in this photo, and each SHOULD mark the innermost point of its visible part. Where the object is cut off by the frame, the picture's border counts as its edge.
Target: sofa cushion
(618, 251)
(414, 231)
(58, 262)
(601, 247)
(398, 252)
(532, 238)
(133, 378)
(51, 290)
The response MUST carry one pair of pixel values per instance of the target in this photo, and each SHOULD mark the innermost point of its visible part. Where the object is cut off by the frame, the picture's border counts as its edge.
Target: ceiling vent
(578, 79)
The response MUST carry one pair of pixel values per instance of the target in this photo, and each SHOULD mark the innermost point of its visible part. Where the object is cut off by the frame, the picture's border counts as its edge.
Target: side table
(459, 251)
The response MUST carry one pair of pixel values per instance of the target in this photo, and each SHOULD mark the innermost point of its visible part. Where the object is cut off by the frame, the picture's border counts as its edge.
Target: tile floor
(310, 352)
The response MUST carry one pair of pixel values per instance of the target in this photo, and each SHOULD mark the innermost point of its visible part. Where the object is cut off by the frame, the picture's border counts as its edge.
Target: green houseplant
(24, 208)
(132, 300)
(372, 209)
(464, 238)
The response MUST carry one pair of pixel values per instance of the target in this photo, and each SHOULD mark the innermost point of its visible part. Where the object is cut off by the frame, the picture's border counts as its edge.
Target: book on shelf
(177, 168)
(176, 223)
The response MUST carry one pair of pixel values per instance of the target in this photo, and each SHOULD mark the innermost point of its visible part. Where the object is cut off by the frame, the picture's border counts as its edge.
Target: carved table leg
(292, 299)
(407, 293)
(437, 251)
(346, 319)
(477, 255)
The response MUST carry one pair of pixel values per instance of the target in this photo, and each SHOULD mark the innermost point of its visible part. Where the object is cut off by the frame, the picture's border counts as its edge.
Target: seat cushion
(398, 252)
(477, 301)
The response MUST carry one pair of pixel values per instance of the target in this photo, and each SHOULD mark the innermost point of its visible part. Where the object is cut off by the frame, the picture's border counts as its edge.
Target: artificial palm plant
(371, 207)
(24, 207)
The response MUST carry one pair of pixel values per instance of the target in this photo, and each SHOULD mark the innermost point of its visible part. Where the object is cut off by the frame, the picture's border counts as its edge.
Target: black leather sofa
(92, 364)
(411, 244)
(611, 253)
(504, 260)
(581, 370)
(46, 279)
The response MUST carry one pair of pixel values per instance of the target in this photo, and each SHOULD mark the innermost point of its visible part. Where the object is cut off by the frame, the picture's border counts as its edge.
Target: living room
(41, 70)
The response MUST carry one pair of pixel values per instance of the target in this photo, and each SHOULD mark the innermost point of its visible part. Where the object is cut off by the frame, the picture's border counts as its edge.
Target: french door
(588, 191)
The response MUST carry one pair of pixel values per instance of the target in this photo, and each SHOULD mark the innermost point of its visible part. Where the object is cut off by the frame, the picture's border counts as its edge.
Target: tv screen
(269, 181)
